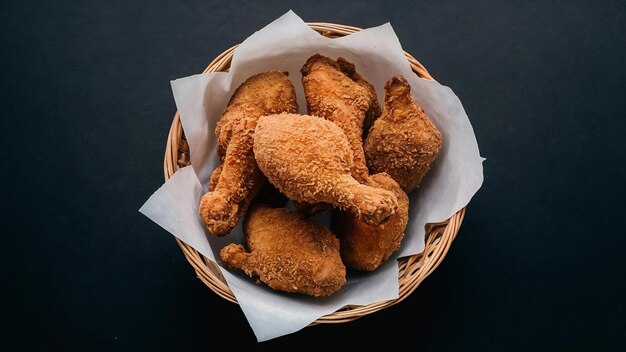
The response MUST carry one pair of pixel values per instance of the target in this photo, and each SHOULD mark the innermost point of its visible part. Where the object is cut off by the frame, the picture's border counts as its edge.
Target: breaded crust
(336, 92)
(238, 179)
(309, 159)
(403, 142)
(289, 252)
(365, 247)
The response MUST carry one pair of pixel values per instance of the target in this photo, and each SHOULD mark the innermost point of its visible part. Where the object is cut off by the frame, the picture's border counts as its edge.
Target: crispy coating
(365, 247)
(336, 92)
(215, 176)
(238, 178)
(289, 252)
(309, 160)
(403, 142)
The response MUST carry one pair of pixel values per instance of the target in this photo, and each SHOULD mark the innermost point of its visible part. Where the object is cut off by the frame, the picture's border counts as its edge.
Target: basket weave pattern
(412, 270)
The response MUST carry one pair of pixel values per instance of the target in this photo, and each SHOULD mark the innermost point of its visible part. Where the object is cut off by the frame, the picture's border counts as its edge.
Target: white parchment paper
(285, 45)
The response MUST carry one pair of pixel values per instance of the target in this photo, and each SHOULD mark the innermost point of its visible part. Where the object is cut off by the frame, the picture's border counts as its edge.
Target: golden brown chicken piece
(309, 160)
(268, 194)
(403, 142)
(336, 92)
(238, 178)
(289, 252)
(215, 176)
(365, 247)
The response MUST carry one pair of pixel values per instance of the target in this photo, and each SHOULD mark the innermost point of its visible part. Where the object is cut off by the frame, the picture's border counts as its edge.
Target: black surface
(539, 262)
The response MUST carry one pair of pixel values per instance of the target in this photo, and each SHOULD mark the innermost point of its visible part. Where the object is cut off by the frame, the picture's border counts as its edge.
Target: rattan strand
(412, 270)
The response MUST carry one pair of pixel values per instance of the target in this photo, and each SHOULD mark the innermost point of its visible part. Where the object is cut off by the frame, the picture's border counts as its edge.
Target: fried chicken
(268, 194)
(365, 247)
(309, 160)
(289, 252)
(336, 92)
(403, 142)
(238, 178)
(215, 176)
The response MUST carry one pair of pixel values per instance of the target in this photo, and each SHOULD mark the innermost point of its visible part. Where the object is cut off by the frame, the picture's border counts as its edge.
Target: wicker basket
(412, 270)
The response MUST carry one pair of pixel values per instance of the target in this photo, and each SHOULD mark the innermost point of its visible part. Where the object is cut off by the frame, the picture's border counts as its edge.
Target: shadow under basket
(412, 270)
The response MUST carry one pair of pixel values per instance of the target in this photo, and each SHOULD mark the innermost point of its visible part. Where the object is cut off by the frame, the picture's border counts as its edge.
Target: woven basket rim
(412, 269)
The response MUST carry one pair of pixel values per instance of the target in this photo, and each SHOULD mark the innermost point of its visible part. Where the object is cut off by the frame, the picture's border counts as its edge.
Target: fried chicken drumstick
(365, 247)
(309, 160)
(403, 142)
(336, 92)
(238, 179)
(289, 252)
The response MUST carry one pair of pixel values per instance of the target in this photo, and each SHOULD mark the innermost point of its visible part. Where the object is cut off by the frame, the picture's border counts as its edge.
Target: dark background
(538, 264)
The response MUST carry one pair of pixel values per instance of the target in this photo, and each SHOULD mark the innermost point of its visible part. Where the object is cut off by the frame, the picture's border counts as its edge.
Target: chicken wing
(336, 92)
(238, 178)
(403, 142)
(289, 252)
(365, 247)
(309, 160)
